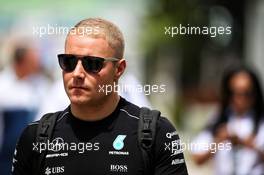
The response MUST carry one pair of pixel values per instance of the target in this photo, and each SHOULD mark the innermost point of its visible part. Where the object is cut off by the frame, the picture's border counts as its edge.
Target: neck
(96, 112)
(241, 114)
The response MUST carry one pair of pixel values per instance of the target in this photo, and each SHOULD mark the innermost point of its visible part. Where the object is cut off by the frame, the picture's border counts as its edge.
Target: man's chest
(115, 152)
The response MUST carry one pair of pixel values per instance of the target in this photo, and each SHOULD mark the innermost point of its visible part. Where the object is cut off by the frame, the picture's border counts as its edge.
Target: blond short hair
(102, 28)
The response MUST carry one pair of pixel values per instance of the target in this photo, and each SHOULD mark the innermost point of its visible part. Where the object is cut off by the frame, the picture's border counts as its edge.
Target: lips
(78, 87)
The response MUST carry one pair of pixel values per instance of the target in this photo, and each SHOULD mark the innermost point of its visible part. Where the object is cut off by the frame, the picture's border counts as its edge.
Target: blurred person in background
(235, 138)
(22, 86)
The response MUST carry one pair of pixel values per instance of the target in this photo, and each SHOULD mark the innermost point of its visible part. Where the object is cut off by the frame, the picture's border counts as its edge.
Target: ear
(120, 68)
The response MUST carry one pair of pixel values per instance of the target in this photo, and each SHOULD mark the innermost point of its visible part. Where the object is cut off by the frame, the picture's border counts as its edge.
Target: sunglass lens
(67, 62)
(93, 65)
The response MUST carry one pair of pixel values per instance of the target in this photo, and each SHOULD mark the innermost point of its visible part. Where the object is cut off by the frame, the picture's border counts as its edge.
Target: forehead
(84, 45)
(241, 80)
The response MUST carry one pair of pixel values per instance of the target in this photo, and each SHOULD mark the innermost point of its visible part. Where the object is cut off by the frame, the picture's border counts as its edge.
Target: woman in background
(238, 126)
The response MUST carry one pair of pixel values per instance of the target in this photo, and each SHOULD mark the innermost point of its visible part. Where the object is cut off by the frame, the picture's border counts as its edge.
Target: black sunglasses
(91, 64)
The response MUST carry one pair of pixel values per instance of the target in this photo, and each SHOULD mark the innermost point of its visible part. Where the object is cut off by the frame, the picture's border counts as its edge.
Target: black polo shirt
(108, 146)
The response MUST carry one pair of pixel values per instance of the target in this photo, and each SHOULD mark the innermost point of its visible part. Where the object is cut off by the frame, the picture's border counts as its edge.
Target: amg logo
(118, 168)
(57, 155)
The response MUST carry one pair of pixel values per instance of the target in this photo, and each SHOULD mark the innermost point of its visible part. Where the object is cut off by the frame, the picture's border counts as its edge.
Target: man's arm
(23, 154)
(169, 159)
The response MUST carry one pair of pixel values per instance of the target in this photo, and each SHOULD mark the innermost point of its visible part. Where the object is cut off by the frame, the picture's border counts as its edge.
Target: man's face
(30, 64)
(80, 86)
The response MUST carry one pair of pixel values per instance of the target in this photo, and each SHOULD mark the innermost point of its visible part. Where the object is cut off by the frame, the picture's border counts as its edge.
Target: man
(20, 98)
(99, 130)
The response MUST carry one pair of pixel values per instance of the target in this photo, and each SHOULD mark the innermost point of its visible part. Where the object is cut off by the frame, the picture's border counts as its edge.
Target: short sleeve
(169, 159)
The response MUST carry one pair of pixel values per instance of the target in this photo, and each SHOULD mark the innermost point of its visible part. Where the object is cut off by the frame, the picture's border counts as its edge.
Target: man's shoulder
(32, 127)
(28, 136)
(133, 111)
(164, 122)
(129, 109)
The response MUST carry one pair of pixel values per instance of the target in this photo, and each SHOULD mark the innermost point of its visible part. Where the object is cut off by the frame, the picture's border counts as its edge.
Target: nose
(79, 71)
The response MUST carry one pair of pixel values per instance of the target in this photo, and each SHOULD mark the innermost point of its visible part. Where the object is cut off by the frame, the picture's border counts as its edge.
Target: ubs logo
(54, 170)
